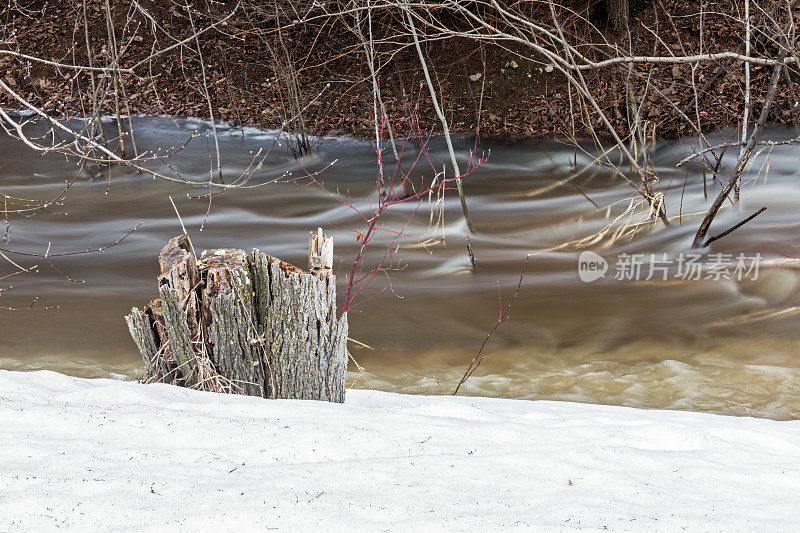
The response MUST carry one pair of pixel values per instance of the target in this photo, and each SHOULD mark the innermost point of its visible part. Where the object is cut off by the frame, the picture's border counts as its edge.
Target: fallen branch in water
(733, 228)
(744, 156)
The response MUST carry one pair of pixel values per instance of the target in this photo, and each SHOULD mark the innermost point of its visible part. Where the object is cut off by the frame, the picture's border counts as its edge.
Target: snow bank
(85, 455)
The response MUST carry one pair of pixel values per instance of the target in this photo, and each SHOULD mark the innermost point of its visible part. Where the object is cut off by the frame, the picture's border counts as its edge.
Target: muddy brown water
(721, 345)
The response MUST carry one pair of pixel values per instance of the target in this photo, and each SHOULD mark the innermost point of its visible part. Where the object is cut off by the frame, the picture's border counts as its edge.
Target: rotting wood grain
(229, 320)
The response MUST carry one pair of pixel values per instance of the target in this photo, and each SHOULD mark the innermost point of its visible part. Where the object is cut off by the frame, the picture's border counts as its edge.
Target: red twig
(480, 356)
(392, 190)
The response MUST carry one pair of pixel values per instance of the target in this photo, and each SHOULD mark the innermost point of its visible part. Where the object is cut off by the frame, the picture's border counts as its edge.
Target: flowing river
(711, 344)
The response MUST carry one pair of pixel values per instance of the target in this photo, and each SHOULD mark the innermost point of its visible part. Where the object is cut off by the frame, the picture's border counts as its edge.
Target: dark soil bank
(495, 88)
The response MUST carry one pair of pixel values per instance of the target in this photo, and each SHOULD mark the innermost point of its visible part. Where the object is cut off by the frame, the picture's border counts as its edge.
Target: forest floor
(494, 91)
(101, 454)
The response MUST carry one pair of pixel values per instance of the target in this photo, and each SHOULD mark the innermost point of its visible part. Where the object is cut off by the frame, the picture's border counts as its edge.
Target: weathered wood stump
(253, 325)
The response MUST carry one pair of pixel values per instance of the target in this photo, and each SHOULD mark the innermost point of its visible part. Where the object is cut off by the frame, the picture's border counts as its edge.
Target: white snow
(87, 455)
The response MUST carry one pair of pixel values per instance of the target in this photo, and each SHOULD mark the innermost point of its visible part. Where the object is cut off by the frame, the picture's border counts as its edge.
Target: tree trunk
(248, 325)
(618, 14)
(140, 327)
(229, 320)
(179, 304)
(306, 347)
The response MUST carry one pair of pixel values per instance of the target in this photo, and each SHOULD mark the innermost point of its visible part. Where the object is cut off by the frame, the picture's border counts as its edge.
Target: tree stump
(177, 288)
(252, 325)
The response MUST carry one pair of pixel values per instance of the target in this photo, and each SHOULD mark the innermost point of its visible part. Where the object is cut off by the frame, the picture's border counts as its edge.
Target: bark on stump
(243, 324)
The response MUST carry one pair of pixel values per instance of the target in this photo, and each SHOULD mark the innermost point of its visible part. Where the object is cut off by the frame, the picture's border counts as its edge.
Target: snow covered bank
(101, 454)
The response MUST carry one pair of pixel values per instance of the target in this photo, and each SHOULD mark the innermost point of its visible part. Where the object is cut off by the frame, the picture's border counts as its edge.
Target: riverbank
(102, 454)
(496, 91)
